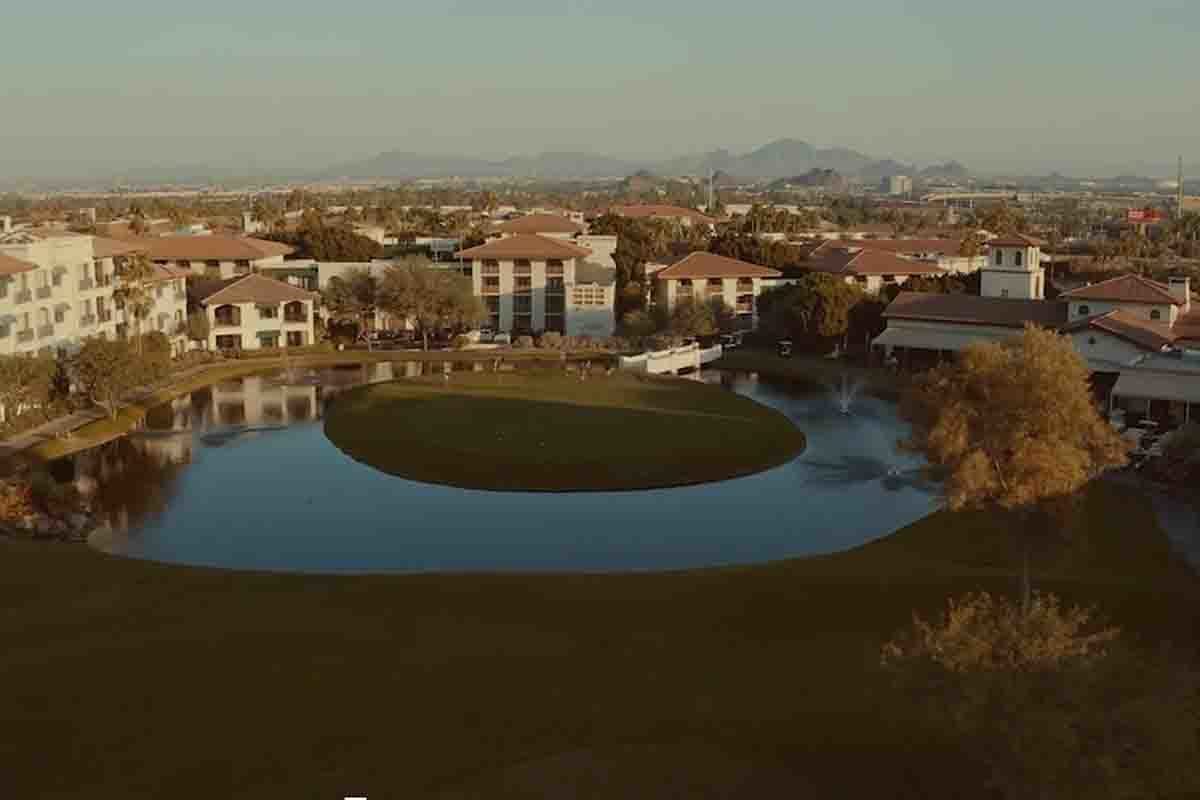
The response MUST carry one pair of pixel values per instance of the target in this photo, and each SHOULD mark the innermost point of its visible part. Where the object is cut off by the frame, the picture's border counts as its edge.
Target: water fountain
(846, 394)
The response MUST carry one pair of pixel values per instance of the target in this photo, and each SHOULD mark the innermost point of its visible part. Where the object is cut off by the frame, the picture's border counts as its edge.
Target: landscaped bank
(127, 678)
(105, 430)
(554, 430)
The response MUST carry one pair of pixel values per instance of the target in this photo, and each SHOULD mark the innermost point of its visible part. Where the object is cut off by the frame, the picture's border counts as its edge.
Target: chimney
(1181, 288)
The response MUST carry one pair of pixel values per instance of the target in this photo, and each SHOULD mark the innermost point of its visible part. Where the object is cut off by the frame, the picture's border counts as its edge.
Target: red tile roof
(867, 261)
(1126, 289)
(527, 246)
(14, 266)
(103, 247)
(946, 247)
(1015, 240)
(253, 288)
(710, 265)
(539, 223)
(212, 248)
(968, 309)
(649, 210)
(1123, 325)
(1187, 327)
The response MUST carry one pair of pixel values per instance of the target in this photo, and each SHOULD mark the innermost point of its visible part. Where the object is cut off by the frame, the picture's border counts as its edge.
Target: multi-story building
(870, 269)
(533, 283)
(57, 289)
(254, 311)
(702, 277)
(215, 256)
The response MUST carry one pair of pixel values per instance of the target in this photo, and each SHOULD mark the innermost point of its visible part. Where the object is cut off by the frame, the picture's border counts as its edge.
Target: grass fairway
(546, 430)
(129, 679)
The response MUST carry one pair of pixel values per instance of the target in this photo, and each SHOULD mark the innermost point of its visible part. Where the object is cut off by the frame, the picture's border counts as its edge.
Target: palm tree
(133, 291)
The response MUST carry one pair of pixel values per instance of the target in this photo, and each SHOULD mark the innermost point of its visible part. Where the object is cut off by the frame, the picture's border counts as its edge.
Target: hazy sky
(1076, 83)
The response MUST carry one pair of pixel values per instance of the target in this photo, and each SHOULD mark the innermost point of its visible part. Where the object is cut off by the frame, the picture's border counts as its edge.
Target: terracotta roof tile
(212, 248)
(710, 265)
(1126, 289)
(251, 288)
(867, 261)
(1015, 240)
(539, 223)
(14, 266)
(526, 245)
(103, 247)
(946, 247)
(969, 309)
(650, 210)
(1123, 325)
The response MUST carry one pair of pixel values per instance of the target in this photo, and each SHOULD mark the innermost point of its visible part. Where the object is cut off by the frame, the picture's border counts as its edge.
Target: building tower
(1014, 269)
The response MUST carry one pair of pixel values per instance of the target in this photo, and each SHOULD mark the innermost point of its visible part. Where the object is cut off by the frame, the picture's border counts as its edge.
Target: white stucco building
(58, 288)
(701, 277)
(215, 256)
(254, 311)
(531, 284)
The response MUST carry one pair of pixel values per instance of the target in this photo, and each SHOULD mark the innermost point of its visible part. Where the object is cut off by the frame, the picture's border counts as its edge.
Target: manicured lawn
(549, 430)
(130, 679)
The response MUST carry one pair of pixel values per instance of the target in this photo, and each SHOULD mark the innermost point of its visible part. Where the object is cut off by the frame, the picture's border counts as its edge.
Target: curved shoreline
(102, 431)
(540, 486)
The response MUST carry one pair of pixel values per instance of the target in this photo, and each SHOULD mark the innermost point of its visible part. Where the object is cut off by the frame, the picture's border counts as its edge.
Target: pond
(240, 475)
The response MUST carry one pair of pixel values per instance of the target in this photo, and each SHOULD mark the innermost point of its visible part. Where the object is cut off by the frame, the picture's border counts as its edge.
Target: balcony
(296, 319)
(106, 317)
(86, 284)
(25, 336)
(43, 292)
(226, 323)
(87, 320)
(45, 331)
(684, 294)
(104, 281)
(25, 296)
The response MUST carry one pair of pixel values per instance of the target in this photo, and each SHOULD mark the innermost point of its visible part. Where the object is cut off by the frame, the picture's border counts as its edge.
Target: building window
(592, 296)
(1018, 258)
(999, 258)
(1155, 314)
(554, 267)
(1004, 292)
(491, 267)
(1084, 311)
(522, 267)
(491, 285)
(523, 285)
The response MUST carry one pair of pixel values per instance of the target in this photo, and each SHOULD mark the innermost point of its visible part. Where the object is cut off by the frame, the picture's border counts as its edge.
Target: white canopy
(948, 339)
(1176, 387)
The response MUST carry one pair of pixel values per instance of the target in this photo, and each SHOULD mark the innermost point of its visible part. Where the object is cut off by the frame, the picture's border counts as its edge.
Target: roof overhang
(1170, 386)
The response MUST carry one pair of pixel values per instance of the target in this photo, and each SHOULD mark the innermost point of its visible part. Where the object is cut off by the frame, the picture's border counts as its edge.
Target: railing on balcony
(104, 281)
(43, 292)
(86, 283)
(45, 331)
(25, 335)
(87, 320)
(296, 318)
(106, 316)
(228, 322)
(25, 296)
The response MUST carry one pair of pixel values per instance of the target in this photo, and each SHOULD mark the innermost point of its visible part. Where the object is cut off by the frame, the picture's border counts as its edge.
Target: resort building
(532, 283)
(59, 288)
(254, 311)
(215, 256)
(945, 253)
(551, 225)
(683, 216)
(870, 269)
(1140, 338)
(701, 277)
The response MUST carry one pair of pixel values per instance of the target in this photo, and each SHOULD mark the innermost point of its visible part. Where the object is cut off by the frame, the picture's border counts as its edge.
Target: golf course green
(549, 430)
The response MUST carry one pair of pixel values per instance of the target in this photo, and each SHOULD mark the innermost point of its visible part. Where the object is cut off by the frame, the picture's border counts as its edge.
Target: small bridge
(673, 361)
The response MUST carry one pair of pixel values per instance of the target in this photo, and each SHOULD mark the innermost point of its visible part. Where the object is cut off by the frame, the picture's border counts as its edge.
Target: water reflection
(241, 475)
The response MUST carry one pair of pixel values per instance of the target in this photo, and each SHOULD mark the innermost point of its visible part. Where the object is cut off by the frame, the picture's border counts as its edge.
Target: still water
(240, 475)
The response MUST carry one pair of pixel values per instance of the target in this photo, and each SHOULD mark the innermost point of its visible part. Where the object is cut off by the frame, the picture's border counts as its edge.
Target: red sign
(1144, 215)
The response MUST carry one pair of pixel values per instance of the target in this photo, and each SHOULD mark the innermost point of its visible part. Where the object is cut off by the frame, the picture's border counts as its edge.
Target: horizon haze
(1090, 89)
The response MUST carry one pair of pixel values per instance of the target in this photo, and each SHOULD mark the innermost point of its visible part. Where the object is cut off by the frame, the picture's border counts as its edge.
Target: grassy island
(550, 430)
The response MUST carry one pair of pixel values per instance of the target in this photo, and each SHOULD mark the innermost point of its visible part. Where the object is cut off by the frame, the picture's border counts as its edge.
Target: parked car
(501, 338)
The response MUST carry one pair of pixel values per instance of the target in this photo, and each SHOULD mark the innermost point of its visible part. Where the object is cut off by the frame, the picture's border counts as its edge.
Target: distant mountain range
(778, 159)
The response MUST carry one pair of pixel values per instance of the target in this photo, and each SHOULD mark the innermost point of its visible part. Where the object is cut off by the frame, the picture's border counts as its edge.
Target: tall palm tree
(133, 291)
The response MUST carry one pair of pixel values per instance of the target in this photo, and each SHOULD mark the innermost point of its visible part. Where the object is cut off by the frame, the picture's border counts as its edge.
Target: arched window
(1155, 314)
(999, 258)
(1018, 257)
